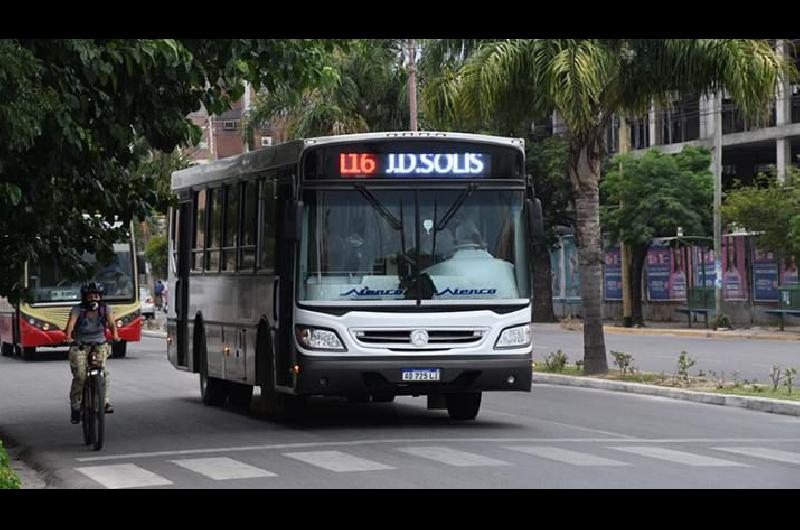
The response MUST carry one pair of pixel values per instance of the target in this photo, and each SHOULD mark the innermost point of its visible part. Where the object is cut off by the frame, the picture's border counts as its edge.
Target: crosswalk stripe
(123, 476)
(223, 468)
(762, 452)
(568, 457)
(337, 461)
(453, 457)
(681, 457)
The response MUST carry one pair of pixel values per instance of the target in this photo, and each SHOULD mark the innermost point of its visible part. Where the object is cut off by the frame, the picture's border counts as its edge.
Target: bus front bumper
(350, 376)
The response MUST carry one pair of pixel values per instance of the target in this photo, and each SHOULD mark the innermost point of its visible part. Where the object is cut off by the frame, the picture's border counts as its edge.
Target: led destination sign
(414, 165)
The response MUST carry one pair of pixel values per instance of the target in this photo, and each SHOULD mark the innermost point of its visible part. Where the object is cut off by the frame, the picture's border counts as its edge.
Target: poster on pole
(555, 268)
(666, 274)
(789, 274)
(571, 270)
(612, 274)
(765, 275)
(734, 287)
(703, 260)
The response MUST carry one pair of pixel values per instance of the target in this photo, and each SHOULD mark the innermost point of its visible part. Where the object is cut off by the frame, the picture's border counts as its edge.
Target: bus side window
(270, 220)
(198, 241)
(214, 230)
(247, 258)
(229, 241)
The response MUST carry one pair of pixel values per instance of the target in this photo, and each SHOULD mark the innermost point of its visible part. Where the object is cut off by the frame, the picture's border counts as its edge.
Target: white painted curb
(774, 406)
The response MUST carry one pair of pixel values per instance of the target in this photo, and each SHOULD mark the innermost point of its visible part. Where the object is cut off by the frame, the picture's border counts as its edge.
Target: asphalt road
(752, 359)
(162, 436)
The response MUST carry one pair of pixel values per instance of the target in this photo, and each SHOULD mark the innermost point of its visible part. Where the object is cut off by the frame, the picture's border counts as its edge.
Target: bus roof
(289, 153)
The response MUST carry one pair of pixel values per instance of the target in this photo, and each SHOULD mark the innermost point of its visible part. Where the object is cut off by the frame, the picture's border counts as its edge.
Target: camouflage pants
(77, 363)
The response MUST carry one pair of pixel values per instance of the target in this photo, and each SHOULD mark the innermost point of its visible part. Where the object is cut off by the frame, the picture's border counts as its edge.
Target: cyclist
(87, 323)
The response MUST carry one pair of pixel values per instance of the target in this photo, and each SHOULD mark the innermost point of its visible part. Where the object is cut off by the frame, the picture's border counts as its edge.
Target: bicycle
(93, 411)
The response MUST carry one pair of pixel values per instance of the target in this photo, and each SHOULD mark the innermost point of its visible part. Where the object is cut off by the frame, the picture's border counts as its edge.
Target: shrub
(8, 479)
(684, 363)
(622, 360)
(555, 361)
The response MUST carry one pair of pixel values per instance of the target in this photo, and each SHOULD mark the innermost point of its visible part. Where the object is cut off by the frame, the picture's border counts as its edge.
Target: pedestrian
(160, 289)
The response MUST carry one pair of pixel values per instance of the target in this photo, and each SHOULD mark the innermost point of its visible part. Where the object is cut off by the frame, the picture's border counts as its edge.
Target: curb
(154, 333)
(774, 406)
(704, 334)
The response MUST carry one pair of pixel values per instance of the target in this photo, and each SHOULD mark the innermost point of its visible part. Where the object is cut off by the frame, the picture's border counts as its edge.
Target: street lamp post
(717, 165)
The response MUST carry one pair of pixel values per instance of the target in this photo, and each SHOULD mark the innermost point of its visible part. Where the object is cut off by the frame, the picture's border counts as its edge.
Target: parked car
(147, 303)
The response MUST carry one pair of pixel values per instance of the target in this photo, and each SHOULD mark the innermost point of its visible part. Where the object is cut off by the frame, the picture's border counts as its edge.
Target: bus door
(183, 239)
(284, 269)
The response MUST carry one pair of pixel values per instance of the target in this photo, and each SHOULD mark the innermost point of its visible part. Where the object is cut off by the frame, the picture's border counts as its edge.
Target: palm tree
(363, 89)
(587, 82)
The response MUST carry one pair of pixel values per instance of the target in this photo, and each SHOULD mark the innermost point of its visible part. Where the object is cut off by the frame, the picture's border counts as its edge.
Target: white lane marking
(681, 457)
(123, 476)
(223, 468)
(303, 445)
(337, 461)
(453, 457)
(762, 452)
(568, 457)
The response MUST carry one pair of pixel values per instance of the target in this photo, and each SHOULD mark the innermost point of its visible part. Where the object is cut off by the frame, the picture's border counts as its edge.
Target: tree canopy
(72, 111)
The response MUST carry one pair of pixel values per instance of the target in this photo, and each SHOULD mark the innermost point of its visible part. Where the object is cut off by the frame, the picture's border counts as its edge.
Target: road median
(775, 406)
(705, 333)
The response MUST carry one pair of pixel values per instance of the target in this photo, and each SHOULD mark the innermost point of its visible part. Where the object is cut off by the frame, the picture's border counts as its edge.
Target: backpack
(159, 288)
(102, 311)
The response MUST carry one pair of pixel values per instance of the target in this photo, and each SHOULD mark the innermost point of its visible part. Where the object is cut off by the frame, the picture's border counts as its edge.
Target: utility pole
(717, 169)
(627, 302)
(412, 83)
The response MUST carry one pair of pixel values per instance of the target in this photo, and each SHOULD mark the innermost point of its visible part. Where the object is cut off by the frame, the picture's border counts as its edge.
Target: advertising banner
(734, 275)
(789, 271)
(571, 272)
(666, 274)
(765, 276)
(555, 267)
(612, 275)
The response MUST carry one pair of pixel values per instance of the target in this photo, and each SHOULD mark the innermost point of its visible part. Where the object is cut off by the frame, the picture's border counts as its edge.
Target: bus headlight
(516, 337)
(318, 339)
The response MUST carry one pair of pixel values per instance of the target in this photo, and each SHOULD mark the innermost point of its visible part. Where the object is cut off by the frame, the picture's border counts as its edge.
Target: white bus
(366, 266)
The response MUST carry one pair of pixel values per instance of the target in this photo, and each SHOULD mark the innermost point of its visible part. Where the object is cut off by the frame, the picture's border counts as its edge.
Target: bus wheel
(463, 405)
(119, 349)
(7, 349)
(240, 396)
(28, 353)
(213, 391)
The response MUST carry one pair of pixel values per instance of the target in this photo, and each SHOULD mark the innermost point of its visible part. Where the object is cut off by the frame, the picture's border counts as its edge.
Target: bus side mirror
(536, 221)
(294, 221)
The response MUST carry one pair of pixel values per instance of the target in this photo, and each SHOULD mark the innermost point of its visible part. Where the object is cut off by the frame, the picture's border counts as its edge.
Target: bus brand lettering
(461, 292)
(357, 163)
(366, 291)
(426, 163)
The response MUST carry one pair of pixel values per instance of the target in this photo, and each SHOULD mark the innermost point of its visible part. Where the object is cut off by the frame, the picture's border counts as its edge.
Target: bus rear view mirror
(536, 221)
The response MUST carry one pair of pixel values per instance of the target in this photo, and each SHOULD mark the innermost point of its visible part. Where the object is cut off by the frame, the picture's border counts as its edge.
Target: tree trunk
(542, 285)
(638, 257)
(584, 171)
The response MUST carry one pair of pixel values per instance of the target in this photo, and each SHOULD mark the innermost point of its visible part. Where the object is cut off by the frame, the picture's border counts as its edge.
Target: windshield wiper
(448, 215)
(375, 203)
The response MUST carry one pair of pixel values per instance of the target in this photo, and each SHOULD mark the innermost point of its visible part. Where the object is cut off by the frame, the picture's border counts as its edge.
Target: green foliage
(555, 361)
(776, 377)
(769, 207)
(622, 360)
(363, 87)
(546, 161)
(73, 110)
(8, 479)
(659, 193)
(156, 254)
(721, 321)
(788, 375)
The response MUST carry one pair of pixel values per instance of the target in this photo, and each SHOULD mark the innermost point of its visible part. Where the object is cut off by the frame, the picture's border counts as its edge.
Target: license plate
(421, 374)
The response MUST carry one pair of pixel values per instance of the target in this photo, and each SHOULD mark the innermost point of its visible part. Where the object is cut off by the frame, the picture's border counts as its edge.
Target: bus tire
(240, 396)
(277, 406)
(7, 349)
(28, 353)
(119, 349)
(463, 405)
(213, 391)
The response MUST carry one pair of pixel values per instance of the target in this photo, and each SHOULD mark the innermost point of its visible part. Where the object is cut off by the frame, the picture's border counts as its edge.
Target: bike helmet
(91, 287)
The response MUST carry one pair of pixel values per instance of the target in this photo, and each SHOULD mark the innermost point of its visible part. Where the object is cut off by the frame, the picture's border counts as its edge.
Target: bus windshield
(48, 284)
(360, 245)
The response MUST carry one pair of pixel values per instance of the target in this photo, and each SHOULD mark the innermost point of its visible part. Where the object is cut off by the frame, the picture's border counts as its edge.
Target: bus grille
(400, 339)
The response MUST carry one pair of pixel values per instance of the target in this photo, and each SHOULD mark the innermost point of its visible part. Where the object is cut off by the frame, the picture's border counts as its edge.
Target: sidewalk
(674, 329)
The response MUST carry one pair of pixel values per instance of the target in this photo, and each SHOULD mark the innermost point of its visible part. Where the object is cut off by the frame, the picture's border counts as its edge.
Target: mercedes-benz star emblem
(419, 338)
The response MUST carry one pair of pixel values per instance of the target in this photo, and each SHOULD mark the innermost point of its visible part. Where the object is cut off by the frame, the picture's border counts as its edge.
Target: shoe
(75, 417)
(109, 409)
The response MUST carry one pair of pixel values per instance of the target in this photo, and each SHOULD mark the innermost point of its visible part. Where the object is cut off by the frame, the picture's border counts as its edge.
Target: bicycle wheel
(100, 412)
(87, 418)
